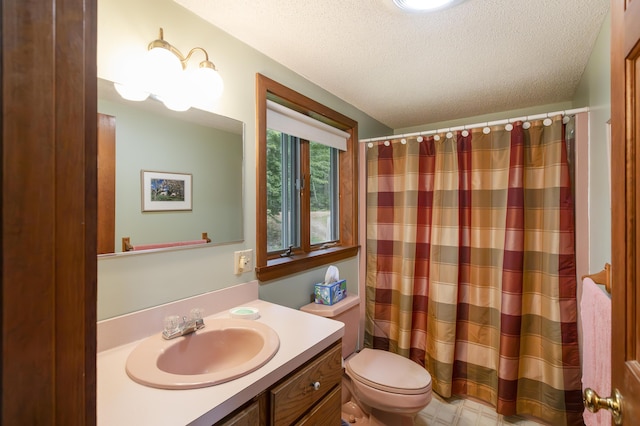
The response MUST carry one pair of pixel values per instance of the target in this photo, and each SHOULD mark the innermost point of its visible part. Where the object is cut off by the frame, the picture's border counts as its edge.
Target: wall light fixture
(166, 74)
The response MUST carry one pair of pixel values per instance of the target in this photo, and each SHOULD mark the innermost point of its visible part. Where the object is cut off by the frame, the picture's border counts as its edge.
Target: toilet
(379, 387)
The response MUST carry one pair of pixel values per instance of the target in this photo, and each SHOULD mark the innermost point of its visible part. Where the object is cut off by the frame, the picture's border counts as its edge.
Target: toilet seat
(388, 372)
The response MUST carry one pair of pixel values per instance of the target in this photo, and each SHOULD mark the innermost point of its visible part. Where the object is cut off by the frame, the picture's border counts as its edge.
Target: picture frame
(164, 191)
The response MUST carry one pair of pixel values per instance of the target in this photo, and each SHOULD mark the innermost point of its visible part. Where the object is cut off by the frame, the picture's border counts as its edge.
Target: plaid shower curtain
(471, 265)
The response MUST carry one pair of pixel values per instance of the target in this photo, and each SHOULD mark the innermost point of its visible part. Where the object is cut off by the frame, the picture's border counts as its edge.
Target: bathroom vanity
(310, 395)
(301, 381)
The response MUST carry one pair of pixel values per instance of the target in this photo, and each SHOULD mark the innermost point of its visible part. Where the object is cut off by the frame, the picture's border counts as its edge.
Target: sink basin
(224, 350)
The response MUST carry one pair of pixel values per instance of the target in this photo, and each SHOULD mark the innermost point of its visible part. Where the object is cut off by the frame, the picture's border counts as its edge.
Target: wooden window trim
(347, 245)
(305, 172)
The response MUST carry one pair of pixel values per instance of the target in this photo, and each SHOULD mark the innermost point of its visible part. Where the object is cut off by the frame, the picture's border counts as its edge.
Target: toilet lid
(389, 372)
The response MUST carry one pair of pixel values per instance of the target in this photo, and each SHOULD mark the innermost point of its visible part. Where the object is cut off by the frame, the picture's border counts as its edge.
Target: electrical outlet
(242, 261)
(248, 260)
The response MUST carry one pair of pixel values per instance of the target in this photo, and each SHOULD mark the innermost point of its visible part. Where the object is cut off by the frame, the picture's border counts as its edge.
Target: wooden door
(106, 183)
(48, 219)
(625, 131)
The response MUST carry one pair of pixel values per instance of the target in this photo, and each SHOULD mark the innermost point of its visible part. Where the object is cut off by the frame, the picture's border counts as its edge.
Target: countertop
(121, 401)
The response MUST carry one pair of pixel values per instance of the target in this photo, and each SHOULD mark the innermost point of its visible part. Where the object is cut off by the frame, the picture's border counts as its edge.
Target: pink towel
(595, 312)
(163, 245)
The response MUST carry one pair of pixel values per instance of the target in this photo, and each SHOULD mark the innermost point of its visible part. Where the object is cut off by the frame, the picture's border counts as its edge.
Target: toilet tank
(346, 311)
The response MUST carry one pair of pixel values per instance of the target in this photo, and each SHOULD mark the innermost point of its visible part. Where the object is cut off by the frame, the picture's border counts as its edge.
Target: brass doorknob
(613, 403)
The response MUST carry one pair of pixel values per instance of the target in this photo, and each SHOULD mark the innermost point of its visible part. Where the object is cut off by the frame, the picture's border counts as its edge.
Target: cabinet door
(296, 395)
(327, 412)
(249, 416)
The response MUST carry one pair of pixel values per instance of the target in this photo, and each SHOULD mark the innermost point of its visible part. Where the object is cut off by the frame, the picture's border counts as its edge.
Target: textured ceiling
(481, 56)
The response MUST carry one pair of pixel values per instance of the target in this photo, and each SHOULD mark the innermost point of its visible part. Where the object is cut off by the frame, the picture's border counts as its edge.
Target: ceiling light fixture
(425, 5)
(165, 75)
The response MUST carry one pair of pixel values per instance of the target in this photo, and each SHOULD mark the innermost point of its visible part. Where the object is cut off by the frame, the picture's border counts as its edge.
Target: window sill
(281, 267)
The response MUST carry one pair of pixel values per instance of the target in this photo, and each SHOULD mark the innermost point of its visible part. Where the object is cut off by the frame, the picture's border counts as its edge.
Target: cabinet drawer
(327, 412)
(296, 395)
(249, 416)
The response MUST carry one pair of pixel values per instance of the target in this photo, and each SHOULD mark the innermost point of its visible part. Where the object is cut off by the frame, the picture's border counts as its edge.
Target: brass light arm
(162, 43)
(204, 64)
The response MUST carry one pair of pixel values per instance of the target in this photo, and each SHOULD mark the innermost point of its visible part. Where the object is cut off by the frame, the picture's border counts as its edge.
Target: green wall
(133, 282)
(594, 91)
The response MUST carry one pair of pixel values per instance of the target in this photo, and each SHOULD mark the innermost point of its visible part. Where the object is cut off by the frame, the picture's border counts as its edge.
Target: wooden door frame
(48, 219)
(625, 188)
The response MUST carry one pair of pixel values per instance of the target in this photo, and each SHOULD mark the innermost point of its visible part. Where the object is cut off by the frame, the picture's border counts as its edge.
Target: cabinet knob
(316, 385)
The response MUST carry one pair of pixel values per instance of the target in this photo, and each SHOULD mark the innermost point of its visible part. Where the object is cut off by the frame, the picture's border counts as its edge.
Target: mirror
(155, 150)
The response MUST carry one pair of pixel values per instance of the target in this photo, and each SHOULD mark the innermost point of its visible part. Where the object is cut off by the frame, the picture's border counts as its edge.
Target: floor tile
(465, 412)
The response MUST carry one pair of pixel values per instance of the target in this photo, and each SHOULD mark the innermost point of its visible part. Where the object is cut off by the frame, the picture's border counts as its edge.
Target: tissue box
(328, 294)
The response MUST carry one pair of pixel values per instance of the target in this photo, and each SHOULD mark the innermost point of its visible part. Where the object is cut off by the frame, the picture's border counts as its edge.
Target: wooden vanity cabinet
(309, 396)
(314, 384)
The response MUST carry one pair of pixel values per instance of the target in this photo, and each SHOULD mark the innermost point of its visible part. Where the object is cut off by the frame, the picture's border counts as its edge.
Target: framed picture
(166, 191)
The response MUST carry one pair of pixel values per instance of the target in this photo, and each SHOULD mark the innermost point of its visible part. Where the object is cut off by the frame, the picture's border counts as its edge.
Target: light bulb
(162, 68)
(175, 99)
(205, 87)
(130, 92)
(175, 103)
(130, 81)
(174, 93)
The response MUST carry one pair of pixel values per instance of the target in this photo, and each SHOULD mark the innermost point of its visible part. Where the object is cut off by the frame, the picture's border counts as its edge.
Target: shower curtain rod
(477, 125)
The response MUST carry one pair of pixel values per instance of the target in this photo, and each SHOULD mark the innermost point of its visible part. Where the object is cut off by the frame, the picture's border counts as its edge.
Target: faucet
(174, 326)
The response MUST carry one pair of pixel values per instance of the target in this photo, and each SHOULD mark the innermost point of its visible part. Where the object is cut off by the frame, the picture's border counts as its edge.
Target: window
(306, 183)
(324, 194)
(283, 184)
(291, 190)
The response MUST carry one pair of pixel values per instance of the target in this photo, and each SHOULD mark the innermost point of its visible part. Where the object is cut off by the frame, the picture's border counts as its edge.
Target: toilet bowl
(389, 388)
(379, 387)
(389, 382)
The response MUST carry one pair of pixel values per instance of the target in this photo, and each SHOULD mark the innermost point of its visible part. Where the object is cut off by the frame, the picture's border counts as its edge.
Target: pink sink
(222, 351)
